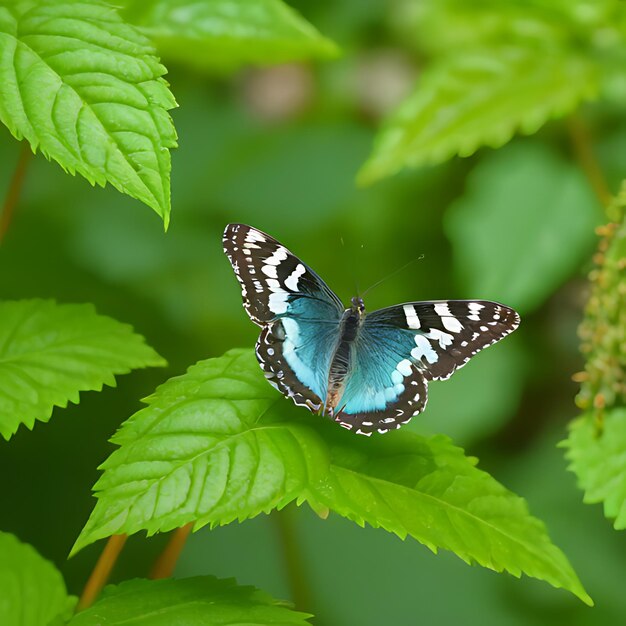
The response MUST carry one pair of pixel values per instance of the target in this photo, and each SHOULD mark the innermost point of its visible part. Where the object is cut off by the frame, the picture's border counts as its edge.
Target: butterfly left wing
(272, 278)
(298, 312)
(402, 347)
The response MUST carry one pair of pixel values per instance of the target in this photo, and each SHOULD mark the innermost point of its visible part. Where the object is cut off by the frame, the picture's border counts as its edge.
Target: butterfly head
(358, 306)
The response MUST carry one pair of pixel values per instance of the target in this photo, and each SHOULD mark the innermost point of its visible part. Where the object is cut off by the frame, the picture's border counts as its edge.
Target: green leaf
(210, 448)
(597, 455)
(198, 601)
(226, 34)
(439, 26)
(427, 489)
(479, 98)
(86, 89)
(523, 198)
(50, 352)
(32, 590)
(213, 447)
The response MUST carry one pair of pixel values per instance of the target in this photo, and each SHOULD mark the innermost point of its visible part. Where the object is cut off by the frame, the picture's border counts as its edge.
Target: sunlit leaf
(427, 489)
(524, 225)
(50, 352)
(213, 446)
(225, 34)
(597, 456)
(85, 88)
(439, 25)
(199, 601)
(479, 98)
(210, 449)
(32, 590)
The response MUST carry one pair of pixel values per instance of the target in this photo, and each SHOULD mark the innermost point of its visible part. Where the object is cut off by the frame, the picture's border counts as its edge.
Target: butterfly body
(367, 371)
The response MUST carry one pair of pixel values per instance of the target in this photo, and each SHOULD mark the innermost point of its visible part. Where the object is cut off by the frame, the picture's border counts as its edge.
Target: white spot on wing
(269, 270)
(444, 339)
(441, 309)
(254, 235)
(292, 280)
(277, 257)
(412, 319)
(423, 349)
(404, 367)
(278, 302)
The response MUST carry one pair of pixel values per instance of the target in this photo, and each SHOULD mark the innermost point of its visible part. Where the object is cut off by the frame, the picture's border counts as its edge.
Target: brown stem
(166, 562)
(15, 187)
(101, 572)
(293, 559)
(583, 149)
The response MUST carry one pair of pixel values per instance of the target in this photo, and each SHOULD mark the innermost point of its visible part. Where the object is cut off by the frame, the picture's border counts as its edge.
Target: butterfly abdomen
(341, 362)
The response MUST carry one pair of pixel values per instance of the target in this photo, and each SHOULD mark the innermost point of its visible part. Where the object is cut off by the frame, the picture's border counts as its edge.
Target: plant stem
(15, 187)
(293, 559)
(583, 149)
(166, 562)
(101, 572)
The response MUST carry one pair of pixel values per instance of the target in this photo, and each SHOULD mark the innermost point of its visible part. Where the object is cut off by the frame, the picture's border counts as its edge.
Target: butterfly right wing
(299, 314)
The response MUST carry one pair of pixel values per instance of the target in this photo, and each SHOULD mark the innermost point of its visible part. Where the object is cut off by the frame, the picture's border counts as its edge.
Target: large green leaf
(213, 446)
(210, 448)
(479, 98)
(427, 489)
(199, 601)
(597, 456)
(32, 590)
(50, 352)
(86, 89)
(225, 34)
(525, 223)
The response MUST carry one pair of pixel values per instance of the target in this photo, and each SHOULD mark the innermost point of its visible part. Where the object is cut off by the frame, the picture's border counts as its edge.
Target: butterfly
(367, 371)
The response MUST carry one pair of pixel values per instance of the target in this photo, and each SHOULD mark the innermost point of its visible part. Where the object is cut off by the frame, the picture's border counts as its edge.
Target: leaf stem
(582, 143)
(15, 187)
(166, 562)
(293, 559)
(101, 572)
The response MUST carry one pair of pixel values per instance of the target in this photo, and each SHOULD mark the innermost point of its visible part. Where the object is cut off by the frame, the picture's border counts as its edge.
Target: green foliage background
(281, 148)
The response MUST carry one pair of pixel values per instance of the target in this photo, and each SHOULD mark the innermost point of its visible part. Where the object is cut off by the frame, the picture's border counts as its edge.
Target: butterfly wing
(299, 314)
(272, 278)
(402, 347)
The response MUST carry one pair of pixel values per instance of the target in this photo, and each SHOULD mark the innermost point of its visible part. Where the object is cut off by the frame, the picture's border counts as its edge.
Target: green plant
(82, 82)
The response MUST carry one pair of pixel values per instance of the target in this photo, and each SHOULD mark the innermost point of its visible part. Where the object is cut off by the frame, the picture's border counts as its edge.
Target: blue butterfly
(367, 371)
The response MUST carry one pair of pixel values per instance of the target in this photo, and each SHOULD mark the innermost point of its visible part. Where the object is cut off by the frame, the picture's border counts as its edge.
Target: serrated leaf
(597, 455)
(226, 34)
(479, 98)
(524, 197)
(85, 88)
(198, 601)
(213, 447)
(32, 590)
(427, 489)
(210, 448)
(50, 352)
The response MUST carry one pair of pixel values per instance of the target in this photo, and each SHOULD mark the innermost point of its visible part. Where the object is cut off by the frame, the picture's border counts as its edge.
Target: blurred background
(279, 148)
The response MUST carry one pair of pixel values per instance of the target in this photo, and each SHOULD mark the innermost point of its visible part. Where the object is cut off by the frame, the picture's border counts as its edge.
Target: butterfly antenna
(384, 278)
